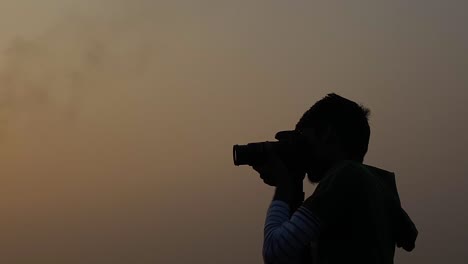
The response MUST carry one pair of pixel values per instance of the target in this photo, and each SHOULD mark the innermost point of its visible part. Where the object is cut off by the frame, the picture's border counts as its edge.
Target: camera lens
(250, 154)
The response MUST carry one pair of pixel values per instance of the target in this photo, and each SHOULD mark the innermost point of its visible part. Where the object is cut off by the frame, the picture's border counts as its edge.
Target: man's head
(336, 129)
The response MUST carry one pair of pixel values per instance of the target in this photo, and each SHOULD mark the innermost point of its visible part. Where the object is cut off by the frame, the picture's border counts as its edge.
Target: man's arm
(290, 192)
(285, 237)
(406, 232)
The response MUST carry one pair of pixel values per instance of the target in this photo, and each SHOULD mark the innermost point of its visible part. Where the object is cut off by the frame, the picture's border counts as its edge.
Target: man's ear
(330, 136)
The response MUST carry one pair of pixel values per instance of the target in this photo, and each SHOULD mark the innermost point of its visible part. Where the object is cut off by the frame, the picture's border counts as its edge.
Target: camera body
(291, 147)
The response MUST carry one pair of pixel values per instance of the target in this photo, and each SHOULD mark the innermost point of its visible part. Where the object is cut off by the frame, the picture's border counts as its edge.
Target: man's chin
(316, 173)
(314, 177)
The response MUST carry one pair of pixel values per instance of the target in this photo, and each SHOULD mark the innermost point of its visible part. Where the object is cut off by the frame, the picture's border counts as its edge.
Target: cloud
(52, 76)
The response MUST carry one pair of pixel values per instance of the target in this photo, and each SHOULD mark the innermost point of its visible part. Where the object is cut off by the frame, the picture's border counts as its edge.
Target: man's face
(317, 156)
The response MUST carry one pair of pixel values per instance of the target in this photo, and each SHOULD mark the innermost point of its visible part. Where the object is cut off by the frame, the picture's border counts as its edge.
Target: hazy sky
(117, 120)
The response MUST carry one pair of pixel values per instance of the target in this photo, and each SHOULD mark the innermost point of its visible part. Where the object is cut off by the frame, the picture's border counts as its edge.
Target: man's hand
(274, 172)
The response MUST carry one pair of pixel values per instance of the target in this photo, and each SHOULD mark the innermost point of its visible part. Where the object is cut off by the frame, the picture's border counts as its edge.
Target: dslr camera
(291, 148)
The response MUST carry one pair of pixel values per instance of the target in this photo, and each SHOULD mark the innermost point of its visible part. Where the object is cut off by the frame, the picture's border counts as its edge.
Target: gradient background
(117, 120)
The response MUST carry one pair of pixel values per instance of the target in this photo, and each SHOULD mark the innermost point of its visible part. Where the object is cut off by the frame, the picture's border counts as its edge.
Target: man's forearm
(291, 193)
(286, 237)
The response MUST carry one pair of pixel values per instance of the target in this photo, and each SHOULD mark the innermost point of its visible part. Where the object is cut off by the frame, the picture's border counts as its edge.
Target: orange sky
(117, 120)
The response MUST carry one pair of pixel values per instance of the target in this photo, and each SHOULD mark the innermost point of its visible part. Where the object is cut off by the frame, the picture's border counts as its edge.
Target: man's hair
(349, 119)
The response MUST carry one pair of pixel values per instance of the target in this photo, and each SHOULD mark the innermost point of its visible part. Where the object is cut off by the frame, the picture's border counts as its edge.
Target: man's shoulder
(346, 172)
(335, 193)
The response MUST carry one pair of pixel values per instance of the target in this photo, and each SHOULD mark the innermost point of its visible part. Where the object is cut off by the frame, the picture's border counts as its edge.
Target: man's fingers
(270, 183)
(268, 179)
(258, 169)
(264, 175)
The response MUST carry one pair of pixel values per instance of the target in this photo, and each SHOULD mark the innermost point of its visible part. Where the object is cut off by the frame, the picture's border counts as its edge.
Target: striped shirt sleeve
(284, 237)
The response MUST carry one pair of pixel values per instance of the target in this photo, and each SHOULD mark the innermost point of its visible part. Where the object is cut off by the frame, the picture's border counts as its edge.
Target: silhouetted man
(354, 214)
